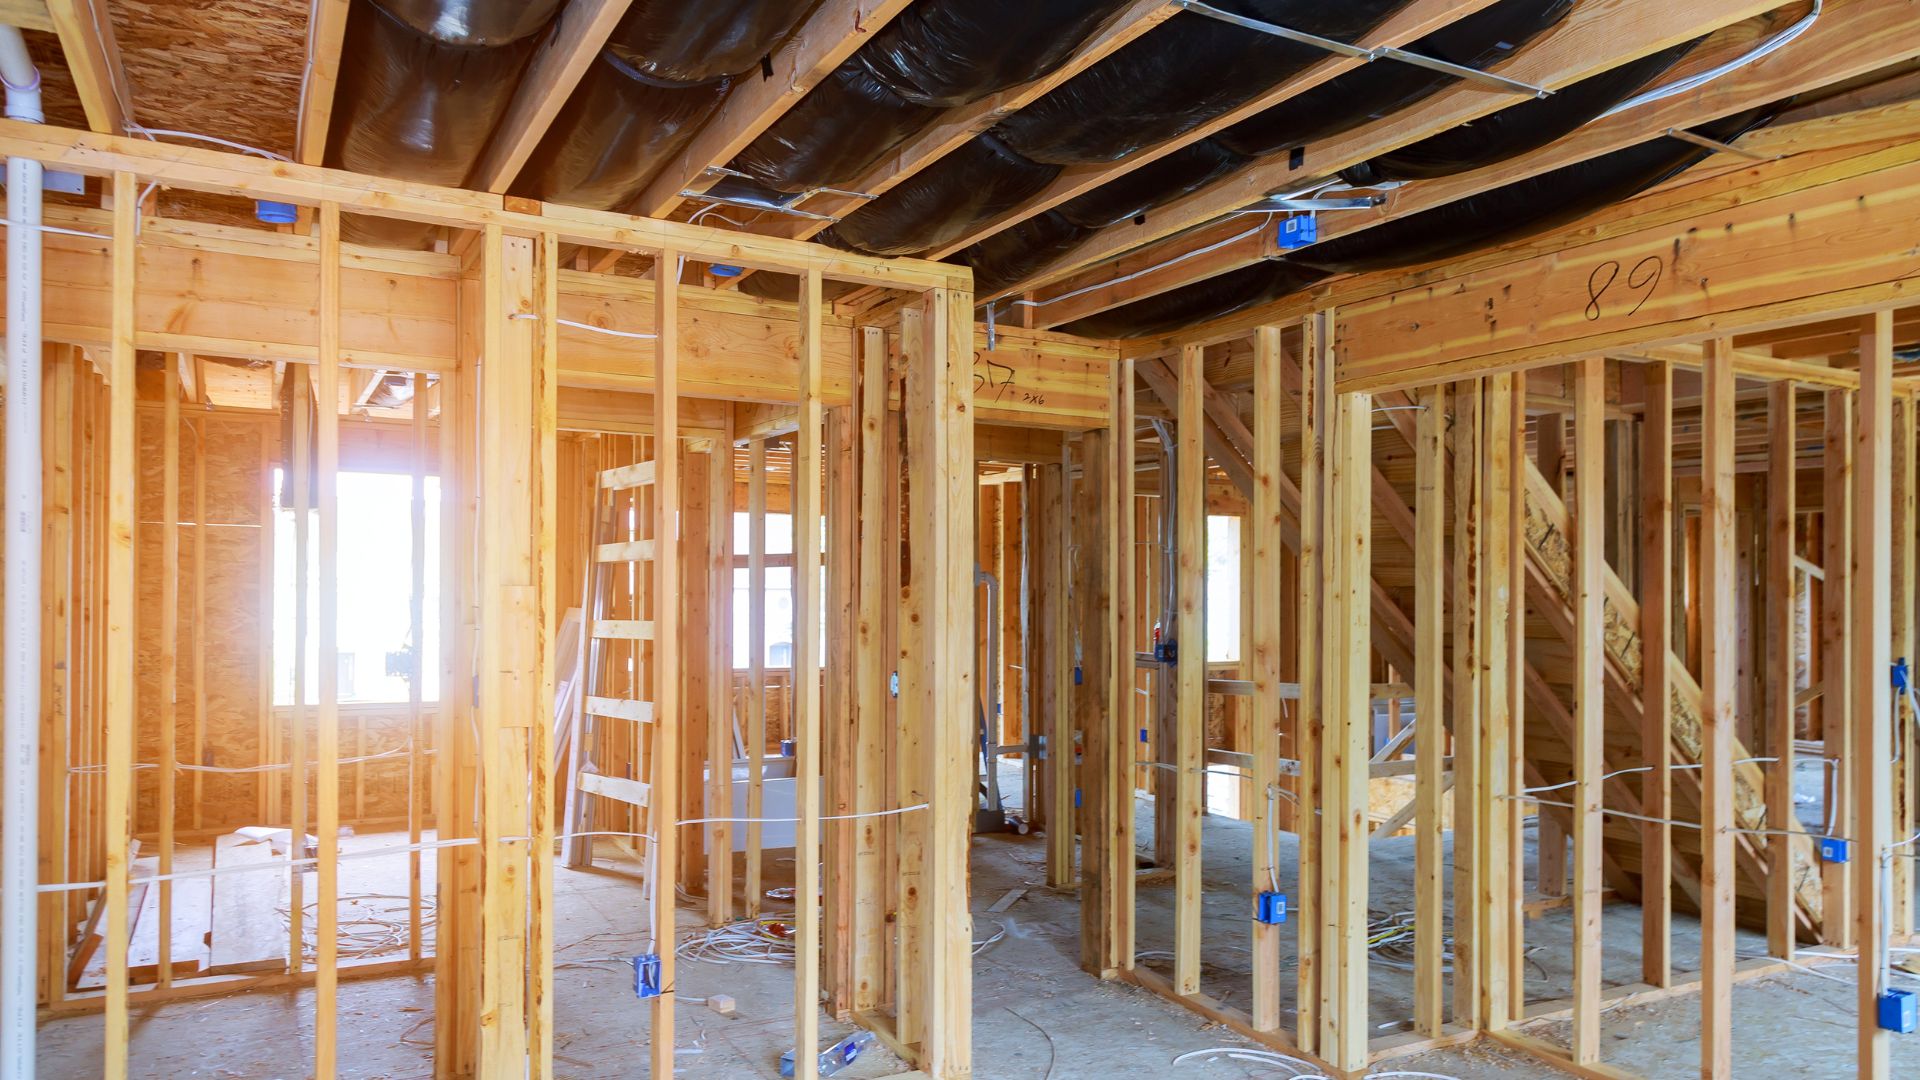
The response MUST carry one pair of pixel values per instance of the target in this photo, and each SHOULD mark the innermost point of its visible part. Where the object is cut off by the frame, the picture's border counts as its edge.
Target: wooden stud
(327, 717)
(1717, 690)
(870, 671)
(1467, 543)
(1264, 537)
(1116, 819)
(544, 390)
(756, 664)
(1429, 657)
(723, 729)
(119, 640)
(1836, 651)
(1316, 413)
(1782, 625)
(1656, 658)
(1191, 675)
(1348, 711)
(1906, 512)
(169, 657)
(665, 667)
(416, 675)
(805, 495)
(1872, 618)
(1589, 705)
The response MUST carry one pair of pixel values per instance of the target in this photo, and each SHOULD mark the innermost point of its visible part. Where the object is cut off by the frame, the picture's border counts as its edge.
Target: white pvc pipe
(20, 621)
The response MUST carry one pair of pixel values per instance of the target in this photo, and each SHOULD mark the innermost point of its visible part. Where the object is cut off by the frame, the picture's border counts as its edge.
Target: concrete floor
(1036, 1016)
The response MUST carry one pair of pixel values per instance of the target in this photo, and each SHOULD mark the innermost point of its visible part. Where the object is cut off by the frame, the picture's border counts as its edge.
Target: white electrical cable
(1765, 48)
(153, 133)
(10, 223)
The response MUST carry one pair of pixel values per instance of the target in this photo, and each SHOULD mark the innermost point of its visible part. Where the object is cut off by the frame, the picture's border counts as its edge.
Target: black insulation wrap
(1516, 129)
(982, 179)
(473, 22)
(672, 41)
(415, 107)
(936, 55)
(1184, 72)
(1197, 303)
(1157, 183)
(665, 69)
(831, 137)
(1019, 250)
(613, 134)
(1381, 88)
(1523, 207)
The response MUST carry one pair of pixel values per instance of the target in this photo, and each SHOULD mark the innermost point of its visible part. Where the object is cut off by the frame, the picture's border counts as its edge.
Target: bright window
(779, 593)
(1223, 589)
(376, 583)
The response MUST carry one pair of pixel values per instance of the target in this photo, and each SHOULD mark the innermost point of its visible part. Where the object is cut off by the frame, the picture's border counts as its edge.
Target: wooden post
(544, 388)
(1053, 655)
(1467, 594)
(756, 665)
(869, 690)
(805, 508)
(665, 796)
(1836, 648)
(1589, 706)
(1316, 416)
(1872, 617)
(1191, 675)
(122, 474)
(1656, 658)
(1782, 622)
(1718, 689)
(1265, 538)
(1429, 690)
(1905, 511)
(939, 400)
(416, 633)
(1094, 686)
(721, 728)
(1348, 710)
(326, 958)
(169, 655)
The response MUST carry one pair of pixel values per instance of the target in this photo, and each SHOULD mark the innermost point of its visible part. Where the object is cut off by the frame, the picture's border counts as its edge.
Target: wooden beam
(93, 59)
(1656, 654)
(805, 493)
(1345, 1031)
(1190, 733)
(1264, 536)
(665, 670)
(1864, 36)
(1872, 702)
(327, 717)
(559, 61)
(118, 724)
(1782, 628)
(1589, 703)
(1429, 695)
(1591, 39)
(326, 30)
(1718, 691)
(831, 34)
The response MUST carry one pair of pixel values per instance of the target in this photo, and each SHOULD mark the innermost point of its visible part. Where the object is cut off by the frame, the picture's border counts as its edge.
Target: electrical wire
(1765, 48)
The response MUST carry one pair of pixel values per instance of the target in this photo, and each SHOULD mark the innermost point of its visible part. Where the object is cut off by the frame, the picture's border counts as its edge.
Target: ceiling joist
(86, 37)
(557, 67)
(326, 29)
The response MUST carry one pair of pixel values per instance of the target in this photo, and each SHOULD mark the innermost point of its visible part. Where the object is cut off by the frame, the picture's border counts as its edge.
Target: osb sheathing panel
(236, 543)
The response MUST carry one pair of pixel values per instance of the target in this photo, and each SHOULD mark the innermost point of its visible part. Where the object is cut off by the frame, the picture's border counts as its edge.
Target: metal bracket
(1383, 52)
(1273, 204)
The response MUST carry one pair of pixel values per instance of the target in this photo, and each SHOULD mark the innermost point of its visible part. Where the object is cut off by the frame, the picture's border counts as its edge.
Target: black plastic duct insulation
(1522, 208)
(1379, 89)
(664, 71)
(937, 55)
(1489, 36)
(938, 205)
(427, 85)
(1184, 72)
(1517, 129)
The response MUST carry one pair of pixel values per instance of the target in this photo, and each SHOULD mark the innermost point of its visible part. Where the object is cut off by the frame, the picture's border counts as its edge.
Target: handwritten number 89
(1643, 278)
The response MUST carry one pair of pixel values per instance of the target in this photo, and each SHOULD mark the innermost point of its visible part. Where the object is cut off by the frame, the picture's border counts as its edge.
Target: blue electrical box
(1270, 908)
(1901, 676)
(1076, 798)
(646, 976)
(1900, 1011)
(1833, 849)
(1143, 734)
(1298, 231)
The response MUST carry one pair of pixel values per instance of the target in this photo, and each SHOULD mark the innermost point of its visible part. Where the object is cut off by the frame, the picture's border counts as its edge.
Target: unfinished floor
(1036, 1015)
